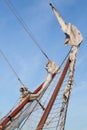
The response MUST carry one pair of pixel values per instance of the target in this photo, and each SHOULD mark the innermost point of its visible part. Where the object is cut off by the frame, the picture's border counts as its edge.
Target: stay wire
(5, 58)
(25, 27)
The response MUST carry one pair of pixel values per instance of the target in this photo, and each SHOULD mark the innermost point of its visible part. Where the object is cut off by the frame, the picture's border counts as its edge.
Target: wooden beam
(55, 93)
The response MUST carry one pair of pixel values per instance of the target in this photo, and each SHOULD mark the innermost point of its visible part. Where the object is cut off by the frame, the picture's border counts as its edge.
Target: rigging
(5, 58)
(25, 27)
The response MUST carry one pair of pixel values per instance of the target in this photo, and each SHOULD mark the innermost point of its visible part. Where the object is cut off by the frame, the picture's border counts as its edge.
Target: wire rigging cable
(5, 58)
(25, 27)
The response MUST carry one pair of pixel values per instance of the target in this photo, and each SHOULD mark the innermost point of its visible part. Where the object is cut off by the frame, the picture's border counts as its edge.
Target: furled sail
(73, 35)
(52, 70)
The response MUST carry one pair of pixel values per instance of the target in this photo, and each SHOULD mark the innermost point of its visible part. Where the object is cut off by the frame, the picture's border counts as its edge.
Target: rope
(25, 27)
(54, 115)
(16, 75)
(37, 102)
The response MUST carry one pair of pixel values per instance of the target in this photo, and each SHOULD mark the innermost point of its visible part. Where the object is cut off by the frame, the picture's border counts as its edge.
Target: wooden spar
(17, 110)
(50, 104)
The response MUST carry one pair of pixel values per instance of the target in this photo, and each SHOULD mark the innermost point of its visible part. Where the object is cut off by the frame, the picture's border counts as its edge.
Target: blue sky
(28, 61)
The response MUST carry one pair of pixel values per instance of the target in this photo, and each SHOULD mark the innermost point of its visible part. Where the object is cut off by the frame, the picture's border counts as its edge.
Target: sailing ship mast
(73, 39)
